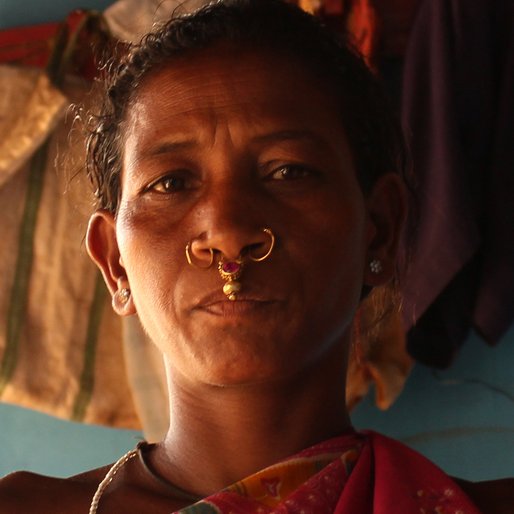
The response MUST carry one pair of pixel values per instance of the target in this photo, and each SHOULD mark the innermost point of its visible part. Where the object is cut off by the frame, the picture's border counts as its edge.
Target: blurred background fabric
(458, 111)
(60, 343)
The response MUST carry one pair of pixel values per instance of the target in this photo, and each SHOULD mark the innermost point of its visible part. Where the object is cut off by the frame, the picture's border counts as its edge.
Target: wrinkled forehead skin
(231, 88)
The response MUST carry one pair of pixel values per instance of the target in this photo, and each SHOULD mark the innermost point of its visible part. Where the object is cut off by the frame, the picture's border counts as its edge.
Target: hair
(372, 128)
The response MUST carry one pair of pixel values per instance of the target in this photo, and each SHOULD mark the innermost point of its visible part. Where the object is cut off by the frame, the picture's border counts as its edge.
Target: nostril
(199, 257)
(254, 249)
(262, 250)
(207, 252)
(203, 252)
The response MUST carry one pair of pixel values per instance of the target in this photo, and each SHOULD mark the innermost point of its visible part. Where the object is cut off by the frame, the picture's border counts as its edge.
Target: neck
(219, 435)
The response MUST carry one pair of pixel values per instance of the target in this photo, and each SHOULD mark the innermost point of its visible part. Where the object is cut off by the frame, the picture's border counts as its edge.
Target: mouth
(218, 304)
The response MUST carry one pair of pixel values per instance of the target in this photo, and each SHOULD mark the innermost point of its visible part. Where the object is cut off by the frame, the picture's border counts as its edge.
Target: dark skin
(216, 147)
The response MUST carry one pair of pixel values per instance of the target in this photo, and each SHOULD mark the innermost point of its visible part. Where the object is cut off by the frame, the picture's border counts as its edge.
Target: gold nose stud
(231, 271)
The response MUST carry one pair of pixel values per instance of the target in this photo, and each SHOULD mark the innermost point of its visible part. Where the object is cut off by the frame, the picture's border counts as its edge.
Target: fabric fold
(363, 473)
(43, 107)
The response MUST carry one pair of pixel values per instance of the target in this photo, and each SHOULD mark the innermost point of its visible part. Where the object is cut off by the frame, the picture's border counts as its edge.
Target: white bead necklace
(109, 477)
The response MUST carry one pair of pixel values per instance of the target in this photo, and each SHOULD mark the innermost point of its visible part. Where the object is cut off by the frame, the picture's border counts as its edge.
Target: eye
(291, 172)
(168, 184)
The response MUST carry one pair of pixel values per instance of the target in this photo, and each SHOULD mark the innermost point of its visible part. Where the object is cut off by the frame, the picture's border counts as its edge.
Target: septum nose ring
(231, 270)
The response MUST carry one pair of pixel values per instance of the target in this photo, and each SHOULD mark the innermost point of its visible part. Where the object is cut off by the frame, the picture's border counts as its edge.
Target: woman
(250, 192)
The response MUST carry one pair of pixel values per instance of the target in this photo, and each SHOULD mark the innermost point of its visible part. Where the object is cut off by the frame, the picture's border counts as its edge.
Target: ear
(387, 211)
(102, 247)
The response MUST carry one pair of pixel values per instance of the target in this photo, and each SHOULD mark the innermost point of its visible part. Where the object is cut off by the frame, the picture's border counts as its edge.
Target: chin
(247, 371)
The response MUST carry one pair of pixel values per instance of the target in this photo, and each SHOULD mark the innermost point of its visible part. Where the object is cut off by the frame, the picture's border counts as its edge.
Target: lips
(218, 304)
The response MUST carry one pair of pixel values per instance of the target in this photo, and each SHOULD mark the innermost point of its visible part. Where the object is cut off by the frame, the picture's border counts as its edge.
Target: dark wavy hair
(373, 131)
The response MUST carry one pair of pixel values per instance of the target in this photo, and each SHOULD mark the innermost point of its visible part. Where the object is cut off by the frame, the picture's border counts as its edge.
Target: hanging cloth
(61, 348)
(458, 111)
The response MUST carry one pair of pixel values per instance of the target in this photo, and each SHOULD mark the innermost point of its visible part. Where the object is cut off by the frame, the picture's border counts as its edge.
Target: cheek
(151, 257)
(337, 231)
(337, 261)
(148, 238)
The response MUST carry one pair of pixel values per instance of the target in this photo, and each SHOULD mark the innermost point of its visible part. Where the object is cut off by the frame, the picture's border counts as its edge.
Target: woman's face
(217, 146)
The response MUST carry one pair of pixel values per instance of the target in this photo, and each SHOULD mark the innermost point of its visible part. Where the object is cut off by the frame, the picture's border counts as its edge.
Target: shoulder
(22, 492)
(492, 496)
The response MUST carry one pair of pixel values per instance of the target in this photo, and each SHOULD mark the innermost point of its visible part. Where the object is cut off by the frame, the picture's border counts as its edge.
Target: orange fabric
(362, 23)
(380, 360)
(357, 17)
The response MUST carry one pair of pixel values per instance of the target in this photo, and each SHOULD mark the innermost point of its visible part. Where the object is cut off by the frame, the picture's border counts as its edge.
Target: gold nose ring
(190, 259)
(231, 270)
(270, 249)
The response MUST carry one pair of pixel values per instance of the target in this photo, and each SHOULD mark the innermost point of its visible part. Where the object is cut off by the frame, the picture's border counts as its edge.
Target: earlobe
(102, 246)
(387, 210)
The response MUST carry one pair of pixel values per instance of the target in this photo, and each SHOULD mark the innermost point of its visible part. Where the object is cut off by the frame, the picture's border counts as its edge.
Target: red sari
(352, 474)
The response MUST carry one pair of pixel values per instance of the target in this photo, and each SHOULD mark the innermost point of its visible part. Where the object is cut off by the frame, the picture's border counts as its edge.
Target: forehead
(254, 90)
(226, 80)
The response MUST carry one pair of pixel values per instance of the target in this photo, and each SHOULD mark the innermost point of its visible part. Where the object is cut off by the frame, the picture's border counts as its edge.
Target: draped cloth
(60, 343)
(61, 346)
(458, 109)
(357, 473)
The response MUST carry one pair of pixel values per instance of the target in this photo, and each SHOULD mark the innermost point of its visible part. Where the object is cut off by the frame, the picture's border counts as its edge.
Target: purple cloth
(458, 113)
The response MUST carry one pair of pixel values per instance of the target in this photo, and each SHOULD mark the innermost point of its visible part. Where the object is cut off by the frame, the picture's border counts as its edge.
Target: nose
(230, 223)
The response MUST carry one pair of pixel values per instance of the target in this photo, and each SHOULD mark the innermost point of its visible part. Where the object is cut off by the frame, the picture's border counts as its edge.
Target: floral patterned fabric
(352, 474)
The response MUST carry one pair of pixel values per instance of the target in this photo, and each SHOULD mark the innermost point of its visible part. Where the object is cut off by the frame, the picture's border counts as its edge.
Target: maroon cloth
(458, 113)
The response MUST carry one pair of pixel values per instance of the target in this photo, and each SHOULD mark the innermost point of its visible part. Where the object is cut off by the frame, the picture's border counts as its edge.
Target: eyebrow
(274, 137)
(288, 135)
(170, 147)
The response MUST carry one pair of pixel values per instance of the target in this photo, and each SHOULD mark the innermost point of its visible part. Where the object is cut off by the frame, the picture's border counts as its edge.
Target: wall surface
(462, 418)
(43, 444)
